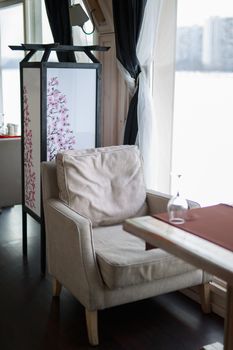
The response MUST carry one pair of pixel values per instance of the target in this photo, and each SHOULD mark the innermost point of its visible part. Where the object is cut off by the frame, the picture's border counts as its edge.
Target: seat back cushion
(104, 184)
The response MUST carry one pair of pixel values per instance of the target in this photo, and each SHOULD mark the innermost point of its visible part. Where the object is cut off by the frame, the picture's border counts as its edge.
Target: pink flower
(60, 136)
(30, 175)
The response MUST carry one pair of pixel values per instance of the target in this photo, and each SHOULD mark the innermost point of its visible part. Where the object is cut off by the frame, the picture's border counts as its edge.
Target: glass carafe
(177, 206)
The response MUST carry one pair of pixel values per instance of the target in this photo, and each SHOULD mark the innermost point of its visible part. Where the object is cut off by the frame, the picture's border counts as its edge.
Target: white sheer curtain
(146, 118)
(131, 84)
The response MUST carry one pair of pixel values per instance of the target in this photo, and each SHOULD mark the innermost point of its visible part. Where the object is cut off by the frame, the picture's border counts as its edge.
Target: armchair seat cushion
(123, 260)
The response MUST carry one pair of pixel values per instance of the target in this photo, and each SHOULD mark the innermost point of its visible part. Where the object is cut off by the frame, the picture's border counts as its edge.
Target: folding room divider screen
(60, 108)
(60, 112)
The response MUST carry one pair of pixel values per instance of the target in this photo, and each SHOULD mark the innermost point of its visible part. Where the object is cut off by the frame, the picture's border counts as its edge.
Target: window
(11, 33)
(202, 122)
(203, 103)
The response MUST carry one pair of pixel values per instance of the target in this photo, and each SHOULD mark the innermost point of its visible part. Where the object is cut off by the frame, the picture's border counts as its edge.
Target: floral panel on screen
(60, 136)
(30, 175)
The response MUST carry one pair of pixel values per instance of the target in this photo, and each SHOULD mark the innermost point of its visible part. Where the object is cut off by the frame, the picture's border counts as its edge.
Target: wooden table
(194, 250)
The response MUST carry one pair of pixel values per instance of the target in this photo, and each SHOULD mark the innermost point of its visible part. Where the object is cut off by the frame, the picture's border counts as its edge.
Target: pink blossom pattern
(59, 134)
(29, 173)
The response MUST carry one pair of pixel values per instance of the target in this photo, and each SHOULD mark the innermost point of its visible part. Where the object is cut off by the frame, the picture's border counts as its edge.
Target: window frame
(3, 4)
(163, 82)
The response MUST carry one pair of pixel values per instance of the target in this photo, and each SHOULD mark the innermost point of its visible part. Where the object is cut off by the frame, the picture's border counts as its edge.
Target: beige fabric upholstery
(105, 266)
(123, 260)
(72, 261)
(100, 183)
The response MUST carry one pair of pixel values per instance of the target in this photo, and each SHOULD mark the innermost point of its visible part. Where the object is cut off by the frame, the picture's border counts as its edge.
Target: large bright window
(11, 33)
(203, 102)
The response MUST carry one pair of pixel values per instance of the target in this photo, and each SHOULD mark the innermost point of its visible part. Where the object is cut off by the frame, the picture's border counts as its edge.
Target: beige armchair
(87, 195)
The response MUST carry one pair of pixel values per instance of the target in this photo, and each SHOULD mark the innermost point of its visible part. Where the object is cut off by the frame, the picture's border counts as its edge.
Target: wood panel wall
(115, 97)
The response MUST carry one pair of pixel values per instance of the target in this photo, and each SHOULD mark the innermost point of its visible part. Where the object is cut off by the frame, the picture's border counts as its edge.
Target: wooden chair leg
(56, 287)
(205, 297)
(92, 326)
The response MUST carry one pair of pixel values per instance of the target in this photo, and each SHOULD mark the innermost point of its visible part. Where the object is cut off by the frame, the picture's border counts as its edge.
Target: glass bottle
(177, 207)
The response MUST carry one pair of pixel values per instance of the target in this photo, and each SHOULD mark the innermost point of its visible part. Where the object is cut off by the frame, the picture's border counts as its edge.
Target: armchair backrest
(104, 184)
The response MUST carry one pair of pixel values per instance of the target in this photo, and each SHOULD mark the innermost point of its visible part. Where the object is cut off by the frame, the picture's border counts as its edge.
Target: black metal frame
(47, 48)
(43, 66)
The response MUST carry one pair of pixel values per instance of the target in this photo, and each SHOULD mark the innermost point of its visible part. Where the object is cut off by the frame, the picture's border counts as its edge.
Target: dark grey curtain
(128, 16)
(59, 20)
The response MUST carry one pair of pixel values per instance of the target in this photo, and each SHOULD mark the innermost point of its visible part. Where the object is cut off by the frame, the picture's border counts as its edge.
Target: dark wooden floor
(30, 319)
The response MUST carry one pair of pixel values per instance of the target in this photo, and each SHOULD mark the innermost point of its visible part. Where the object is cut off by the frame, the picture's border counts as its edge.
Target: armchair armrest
(157, 202)
(70, 248)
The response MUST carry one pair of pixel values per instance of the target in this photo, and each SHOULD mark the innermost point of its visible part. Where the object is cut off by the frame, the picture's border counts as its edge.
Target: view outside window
(203, 102)
(11, 33)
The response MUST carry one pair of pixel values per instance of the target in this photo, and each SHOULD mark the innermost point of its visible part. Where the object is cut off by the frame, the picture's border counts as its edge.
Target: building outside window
(203, 104)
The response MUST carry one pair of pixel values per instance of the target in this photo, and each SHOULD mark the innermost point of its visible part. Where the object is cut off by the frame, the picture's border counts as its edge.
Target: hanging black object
(78, 17)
